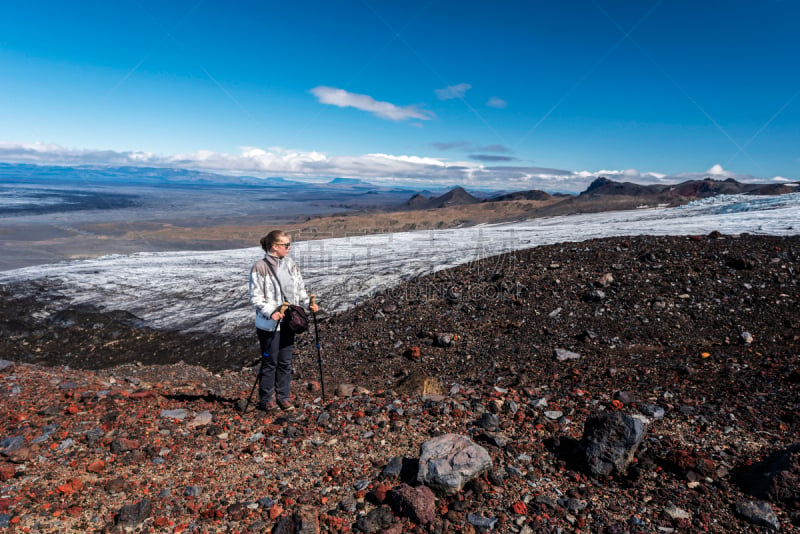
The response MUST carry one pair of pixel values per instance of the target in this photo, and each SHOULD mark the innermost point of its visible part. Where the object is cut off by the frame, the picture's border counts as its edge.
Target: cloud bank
(384, 110)
(384, 169)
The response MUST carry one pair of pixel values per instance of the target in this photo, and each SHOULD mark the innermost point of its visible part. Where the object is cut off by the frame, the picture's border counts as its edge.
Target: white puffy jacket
(265, 292)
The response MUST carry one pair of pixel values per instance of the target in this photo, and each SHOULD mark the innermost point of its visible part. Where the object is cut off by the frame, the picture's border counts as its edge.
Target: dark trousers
(276, 364)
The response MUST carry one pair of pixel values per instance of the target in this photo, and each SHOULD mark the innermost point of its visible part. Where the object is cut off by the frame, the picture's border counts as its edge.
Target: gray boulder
(610, 441)
(758, 513)
(563, 355)
(449, 461)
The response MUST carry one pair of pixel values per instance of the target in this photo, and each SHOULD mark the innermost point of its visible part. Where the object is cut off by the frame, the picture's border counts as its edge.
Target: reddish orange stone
(71, 486)
(96, 467)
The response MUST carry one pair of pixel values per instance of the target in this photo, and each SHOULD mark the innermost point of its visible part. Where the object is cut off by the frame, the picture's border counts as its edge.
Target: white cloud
(717, 170)
(496, 102)
(453, 91)
(386, 169)
(384, 110)
(57, 154)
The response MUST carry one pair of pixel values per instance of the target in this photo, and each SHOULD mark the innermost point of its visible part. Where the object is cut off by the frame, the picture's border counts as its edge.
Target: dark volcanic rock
(610, 441)
(303, 521)
(776, 478)
(132, 515)
(376, 520)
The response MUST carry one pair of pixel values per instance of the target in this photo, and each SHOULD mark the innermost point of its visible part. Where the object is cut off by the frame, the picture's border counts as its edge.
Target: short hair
(271, 238)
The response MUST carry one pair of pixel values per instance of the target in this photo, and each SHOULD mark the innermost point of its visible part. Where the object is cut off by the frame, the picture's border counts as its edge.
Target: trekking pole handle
(283, 307)
(313, 299)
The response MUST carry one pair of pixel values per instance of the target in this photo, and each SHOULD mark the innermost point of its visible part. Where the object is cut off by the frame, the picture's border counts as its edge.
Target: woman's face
(281, 247)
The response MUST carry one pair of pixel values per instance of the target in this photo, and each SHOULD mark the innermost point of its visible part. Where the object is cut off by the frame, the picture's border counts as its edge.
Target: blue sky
(515, 95)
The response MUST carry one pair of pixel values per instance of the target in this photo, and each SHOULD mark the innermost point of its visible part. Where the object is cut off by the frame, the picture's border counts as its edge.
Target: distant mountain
(275, 182)
(604, 186)
(708, 188)
(349, 181)
(532, 194)
(457, 196)
(690, 189)
(454, 197)
(130, 175)
(417, 202)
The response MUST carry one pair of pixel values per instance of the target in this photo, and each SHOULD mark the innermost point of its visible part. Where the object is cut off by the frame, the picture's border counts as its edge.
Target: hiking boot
(269, 407)
(286, 405)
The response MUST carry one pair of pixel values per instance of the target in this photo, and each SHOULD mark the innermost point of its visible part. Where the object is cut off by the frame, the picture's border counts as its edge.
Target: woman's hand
(277, 316)
(313, 307)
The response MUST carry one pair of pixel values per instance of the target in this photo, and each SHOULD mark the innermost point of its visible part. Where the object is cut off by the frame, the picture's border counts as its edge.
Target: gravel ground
(698, 337)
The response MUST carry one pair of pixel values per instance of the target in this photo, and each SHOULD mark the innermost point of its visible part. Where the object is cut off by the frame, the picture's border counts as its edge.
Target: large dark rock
(610, 441)
(132, 515)
(376, 520)
(305, 520)
(776, 478)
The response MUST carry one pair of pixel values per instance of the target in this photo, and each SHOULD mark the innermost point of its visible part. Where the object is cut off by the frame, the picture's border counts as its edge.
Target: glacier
(207, 290)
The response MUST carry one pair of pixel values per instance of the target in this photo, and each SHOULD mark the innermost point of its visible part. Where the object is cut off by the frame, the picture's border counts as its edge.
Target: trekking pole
(316, 337)
(282, 310)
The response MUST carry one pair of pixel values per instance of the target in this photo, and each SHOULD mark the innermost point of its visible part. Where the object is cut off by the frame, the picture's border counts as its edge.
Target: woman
(273, 280)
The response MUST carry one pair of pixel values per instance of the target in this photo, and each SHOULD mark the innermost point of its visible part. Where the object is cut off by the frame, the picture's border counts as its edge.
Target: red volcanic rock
(96, 467)
(71, 486)
(413, 353)
(7, 471)
(418, 504)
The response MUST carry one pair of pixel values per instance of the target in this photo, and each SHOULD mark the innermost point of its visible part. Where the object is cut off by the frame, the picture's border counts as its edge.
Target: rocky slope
(695, 337)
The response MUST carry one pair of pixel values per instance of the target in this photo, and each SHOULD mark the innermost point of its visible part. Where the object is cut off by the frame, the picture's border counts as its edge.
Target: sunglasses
(287, 245)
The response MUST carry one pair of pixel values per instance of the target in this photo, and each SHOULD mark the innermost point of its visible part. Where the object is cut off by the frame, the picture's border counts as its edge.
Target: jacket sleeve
(262, 293)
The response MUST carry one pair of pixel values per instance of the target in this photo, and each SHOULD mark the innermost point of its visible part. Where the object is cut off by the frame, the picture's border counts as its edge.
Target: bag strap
(274, 274)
